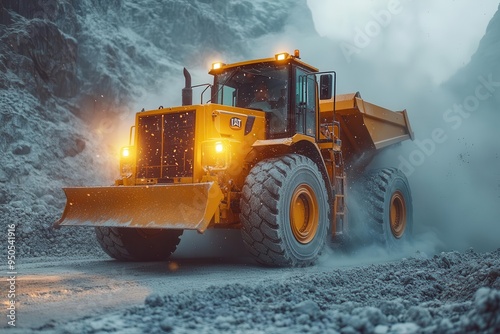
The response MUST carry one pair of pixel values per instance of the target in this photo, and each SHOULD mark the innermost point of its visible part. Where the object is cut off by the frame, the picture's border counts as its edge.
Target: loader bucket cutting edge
(179, 206)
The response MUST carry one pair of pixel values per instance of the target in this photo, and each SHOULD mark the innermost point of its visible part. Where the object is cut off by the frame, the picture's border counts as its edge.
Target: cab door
(305, 102)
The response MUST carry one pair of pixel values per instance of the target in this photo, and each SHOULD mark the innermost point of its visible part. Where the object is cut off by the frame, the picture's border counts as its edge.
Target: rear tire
(384, 208)
(138, 244)
(285, 211)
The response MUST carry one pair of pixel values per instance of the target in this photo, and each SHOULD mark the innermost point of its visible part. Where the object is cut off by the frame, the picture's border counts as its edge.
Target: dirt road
(56, 290)
(449, 292)
(53, 290)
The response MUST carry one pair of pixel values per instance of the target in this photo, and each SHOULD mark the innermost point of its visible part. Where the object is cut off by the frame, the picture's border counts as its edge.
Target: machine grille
(165, 146)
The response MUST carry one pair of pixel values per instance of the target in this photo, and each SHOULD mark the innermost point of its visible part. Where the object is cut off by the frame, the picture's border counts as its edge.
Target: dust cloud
(408, 55)
(420, 60)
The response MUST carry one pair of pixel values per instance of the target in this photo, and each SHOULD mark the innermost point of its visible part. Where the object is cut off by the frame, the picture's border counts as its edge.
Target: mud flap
(175, 206)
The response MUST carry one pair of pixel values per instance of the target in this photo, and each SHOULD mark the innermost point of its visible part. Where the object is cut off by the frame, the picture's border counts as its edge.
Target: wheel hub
(398, 214)
(304, 214)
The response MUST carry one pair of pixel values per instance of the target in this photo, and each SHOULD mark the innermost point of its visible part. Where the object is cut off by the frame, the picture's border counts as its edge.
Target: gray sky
(444, 34)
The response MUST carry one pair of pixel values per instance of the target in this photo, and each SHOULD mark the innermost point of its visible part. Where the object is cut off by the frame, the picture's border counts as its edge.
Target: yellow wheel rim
(304, 214)
(398, 214)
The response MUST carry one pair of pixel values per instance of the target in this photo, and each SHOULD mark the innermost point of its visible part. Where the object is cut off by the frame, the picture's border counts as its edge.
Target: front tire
(138, 244)
(285, 211)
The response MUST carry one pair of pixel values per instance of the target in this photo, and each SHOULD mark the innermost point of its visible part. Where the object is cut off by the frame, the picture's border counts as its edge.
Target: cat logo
(235, 123)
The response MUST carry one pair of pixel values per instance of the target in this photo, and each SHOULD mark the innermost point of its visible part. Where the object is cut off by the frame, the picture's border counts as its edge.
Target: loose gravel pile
(448, 293)
(35, 236)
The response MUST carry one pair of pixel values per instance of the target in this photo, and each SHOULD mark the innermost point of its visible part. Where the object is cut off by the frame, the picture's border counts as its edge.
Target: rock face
(37, 56)
(484, 63)
(116, 48)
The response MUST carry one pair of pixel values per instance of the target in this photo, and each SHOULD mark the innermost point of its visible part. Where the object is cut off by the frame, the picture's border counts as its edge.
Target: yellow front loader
(270, 153)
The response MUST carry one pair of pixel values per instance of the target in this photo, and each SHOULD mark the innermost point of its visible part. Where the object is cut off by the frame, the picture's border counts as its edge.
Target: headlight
(216, 155)
(125, 152)
(217, 66)
(127, 162)
(281, 56)
(219, 147)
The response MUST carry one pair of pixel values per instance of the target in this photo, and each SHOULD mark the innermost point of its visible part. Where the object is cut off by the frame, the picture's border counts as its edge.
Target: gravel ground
(35, 236)
(447, 293)
(452, 292)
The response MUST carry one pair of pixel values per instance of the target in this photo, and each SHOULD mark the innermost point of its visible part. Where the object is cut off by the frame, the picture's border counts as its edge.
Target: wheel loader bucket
(179, 206)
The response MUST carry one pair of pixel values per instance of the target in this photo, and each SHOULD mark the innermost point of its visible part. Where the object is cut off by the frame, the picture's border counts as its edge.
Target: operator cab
(283, 87)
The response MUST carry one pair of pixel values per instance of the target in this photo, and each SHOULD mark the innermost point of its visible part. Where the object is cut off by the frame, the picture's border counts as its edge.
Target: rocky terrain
(445, 293)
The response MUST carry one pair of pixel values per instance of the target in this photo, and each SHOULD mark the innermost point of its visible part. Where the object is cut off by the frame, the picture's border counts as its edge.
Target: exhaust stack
(187, 91)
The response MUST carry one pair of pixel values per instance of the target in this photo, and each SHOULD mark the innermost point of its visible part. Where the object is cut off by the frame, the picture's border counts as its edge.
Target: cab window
(305, 102)
(263, 87)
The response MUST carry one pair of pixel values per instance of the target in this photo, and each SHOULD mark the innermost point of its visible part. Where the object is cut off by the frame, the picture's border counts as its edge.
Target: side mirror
(325, 86)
